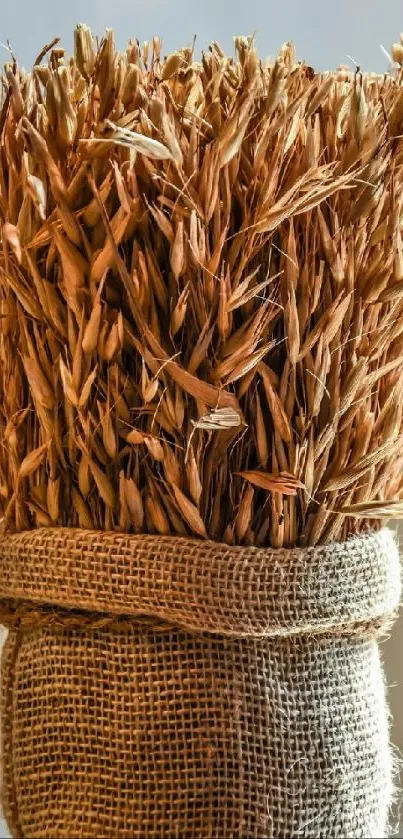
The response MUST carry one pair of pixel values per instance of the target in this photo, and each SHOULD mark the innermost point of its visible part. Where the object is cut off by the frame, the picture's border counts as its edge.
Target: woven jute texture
(166, 687)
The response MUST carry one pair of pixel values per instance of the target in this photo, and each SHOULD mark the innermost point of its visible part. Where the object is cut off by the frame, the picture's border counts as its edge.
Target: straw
(201, 290)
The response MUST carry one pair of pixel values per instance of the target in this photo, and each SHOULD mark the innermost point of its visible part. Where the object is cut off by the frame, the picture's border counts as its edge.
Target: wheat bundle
(201, 288)
(201, 401)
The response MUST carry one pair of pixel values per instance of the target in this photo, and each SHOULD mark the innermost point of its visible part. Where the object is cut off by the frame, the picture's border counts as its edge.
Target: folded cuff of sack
(204, 586)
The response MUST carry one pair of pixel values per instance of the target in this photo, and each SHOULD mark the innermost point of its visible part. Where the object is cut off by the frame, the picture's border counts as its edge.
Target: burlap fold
(167, 687)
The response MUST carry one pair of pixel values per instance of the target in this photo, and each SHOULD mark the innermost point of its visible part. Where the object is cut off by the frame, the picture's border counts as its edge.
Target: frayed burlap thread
(167, 687)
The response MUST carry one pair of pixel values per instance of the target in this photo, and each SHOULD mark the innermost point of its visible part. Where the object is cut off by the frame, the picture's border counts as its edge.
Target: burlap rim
(204, 586)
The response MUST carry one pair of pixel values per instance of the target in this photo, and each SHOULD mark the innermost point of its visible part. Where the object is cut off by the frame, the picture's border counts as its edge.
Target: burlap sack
(161, 687)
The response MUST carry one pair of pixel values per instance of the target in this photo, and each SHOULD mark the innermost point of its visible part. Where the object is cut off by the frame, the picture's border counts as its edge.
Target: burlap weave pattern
(258, 712)
(204, 586)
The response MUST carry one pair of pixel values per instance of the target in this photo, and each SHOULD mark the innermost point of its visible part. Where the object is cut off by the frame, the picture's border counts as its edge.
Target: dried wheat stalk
(201, 295)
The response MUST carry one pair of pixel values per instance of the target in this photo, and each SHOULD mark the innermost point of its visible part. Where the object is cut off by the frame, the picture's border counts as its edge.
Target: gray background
(325, 34)
(323, 31)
